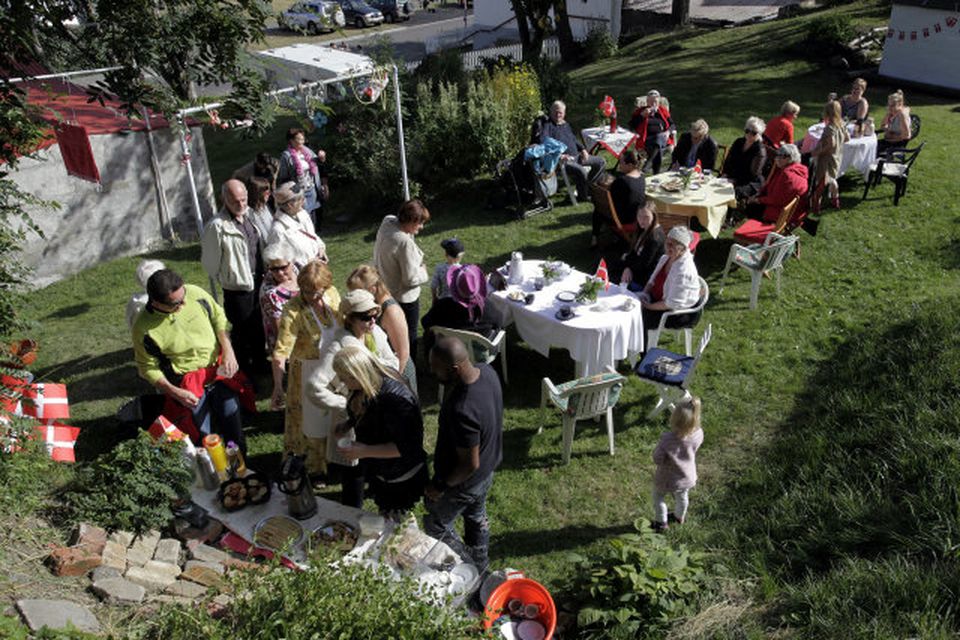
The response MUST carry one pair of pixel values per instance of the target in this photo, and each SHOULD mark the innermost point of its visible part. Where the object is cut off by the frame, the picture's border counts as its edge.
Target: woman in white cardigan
(675, 283)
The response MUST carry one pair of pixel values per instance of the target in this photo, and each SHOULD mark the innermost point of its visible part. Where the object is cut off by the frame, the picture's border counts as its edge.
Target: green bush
(27, 474)
(636, 585)
(828, 35)
(342, 602)
(555, 83)
(599, 45)
(132, 486)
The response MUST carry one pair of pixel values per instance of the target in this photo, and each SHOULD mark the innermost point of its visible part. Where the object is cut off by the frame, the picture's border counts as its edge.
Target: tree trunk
(681, 12)
(569, 48)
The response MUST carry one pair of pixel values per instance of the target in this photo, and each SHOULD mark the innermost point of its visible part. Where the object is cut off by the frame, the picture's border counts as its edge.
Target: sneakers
(659, 527)
(672, 518)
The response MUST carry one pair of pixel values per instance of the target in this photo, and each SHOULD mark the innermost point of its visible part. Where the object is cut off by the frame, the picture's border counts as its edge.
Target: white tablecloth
(858, 153)
(708, 203)
(594, 337)
(615, 143)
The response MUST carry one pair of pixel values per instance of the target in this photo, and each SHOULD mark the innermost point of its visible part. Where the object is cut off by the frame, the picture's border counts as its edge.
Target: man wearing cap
(230, 254)
(469, 449)
(581, 167)
(292, 226)
(654, 128)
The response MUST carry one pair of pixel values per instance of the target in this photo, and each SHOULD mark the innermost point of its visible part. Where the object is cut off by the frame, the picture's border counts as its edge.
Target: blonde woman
(306, 322)
(385, 415)
(392, 319)
(676, 460)
(826, 156)
(896, 124)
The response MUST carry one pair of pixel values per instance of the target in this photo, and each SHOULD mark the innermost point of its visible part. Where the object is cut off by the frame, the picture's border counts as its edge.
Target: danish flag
(46, 401)
(60, 440)
(602, 274)
(163, 429)
(698, 168)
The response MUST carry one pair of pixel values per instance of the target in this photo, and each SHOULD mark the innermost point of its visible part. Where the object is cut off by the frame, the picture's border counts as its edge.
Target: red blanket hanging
(77, 153)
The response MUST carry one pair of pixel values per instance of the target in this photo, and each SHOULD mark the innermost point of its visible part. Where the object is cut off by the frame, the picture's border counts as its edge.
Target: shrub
(638, 582)
(518, 88)
(599, 44)
(327, 601)
(28, 475)
(828, 35)
(132, 486)
(555, 83)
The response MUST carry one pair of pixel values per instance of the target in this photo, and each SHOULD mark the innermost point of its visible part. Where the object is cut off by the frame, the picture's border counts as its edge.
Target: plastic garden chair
(895, 166)
(581, 399)
(479, 347)
(680, 317)
(760, 259)
(671, 373)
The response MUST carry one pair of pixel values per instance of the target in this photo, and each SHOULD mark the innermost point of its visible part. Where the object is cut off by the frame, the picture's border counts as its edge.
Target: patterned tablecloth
(597, 335)
(707, 201)
(858, 153)
(615, 143)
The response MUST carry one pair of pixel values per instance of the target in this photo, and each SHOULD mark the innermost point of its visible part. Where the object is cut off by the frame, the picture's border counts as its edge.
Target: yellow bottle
(214, 446)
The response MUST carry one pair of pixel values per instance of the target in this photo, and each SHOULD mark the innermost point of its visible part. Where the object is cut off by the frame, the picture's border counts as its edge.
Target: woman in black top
(745, 162)
(385, 415)
(628, 191)
(646, 248)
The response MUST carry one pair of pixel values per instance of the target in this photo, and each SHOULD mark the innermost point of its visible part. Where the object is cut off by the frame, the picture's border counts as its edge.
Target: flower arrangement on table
(553, 269)
(608, 113)
(590, 289)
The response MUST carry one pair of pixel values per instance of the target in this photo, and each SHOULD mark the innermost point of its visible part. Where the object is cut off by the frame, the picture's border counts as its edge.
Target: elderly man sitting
(696, 145)
(579, 165)
(788, 181)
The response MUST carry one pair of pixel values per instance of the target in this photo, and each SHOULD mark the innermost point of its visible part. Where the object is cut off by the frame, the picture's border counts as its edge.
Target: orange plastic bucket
(527, 591)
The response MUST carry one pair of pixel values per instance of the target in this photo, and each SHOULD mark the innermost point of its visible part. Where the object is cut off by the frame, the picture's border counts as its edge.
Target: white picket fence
(474, 59)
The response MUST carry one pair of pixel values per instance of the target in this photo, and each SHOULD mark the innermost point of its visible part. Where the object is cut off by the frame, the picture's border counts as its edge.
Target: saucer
(566, 296)
(561, 317)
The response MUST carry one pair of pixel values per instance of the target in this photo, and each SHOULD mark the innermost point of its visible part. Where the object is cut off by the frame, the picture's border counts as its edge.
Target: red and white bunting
(46, 401)
(59, 439)
(935, 28)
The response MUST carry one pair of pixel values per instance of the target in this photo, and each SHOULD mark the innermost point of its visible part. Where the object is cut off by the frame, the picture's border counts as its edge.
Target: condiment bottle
(214, 446)
(235, 459)
(208, 475)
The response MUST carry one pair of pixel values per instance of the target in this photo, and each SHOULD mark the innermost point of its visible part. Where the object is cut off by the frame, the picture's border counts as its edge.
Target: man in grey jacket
(230, 254)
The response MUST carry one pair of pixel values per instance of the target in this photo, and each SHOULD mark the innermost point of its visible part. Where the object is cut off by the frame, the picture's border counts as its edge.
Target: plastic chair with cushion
(895, 166)
(581, 399)
(479, 347)
(760, 259)
(671, 373)
(681, 320)
(756, 231)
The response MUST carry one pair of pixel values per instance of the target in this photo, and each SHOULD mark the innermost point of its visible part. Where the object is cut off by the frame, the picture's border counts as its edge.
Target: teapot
(515, 270)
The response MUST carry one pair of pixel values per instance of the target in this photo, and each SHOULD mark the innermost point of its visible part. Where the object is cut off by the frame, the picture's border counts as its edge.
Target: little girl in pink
(676, 460)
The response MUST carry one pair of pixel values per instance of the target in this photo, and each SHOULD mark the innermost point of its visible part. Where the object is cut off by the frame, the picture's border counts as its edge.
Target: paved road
(727, 10)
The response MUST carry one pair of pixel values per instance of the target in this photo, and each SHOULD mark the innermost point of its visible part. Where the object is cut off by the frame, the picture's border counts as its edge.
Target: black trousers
(411, 311)
(246, 333)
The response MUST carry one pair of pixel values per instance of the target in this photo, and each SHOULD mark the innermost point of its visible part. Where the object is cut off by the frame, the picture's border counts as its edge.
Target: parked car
(313, 17)
(393, 10)
(360, 14)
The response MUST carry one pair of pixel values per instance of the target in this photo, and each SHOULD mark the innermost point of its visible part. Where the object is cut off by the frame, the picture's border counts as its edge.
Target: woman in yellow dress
(306, 321)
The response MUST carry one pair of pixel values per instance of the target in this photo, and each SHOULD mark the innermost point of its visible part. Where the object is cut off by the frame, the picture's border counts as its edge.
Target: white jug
(516, 268)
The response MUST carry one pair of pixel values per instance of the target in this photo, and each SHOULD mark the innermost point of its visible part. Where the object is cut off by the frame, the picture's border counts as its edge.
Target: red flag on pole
(602, 274)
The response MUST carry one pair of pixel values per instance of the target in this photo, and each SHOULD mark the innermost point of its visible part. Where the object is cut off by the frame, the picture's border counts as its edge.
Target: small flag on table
(698, 168)
(602, 274)
(46, 401)
(163, 429)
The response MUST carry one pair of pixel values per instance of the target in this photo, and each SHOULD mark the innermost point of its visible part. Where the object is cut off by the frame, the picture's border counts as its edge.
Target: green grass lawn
(800, 538)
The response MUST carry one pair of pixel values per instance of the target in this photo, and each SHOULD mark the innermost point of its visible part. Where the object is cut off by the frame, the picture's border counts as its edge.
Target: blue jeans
(219, 405)
(472, 504)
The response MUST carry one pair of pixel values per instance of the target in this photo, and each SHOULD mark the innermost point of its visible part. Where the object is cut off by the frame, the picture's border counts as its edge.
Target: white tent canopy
(299, 68)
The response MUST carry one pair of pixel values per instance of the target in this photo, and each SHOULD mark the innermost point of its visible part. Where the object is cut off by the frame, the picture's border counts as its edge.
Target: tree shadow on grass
(83, 364)
(864, 467)
(538, 542)
(69, 312)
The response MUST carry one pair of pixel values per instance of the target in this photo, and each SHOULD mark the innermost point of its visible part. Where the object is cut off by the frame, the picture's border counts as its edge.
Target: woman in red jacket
(789, 180)
(654, 128)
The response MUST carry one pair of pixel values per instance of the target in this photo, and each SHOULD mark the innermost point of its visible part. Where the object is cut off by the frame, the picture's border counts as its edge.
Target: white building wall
(122, 217)
(585, 15)
(934, 60)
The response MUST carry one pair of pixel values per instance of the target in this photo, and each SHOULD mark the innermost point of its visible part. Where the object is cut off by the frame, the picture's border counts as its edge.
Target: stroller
(529, 178)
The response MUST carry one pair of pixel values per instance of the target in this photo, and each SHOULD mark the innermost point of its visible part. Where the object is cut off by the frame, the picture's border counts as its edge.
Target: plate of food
(277, 532)
(672, 185)
(516, 295)
(567, 296)
(334, 534)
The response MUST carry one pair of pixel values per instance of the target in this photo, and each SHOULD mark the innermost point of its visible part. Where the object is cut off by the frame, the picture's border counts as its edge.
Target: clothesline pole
(403, 150)
(162, 205)
(185, 154)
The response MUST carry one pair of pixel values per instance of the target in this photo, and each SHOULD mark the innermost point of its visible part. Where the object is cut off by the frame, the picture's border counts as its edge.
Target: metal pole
(185, 151)
(162, 205)
(403, 150)
(66, 74)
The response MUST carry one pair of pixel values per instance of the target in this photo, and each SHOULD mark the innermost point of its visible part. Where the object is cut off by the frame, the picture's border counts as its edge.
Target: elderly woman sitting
(696, 145)
(744, 163)
(675, 283)
(788, 181)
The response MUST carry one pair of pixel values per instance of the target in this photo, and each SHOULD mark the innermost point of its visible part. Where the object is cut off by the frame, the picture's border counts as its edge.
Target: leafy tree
(535, 23)
(680, 12)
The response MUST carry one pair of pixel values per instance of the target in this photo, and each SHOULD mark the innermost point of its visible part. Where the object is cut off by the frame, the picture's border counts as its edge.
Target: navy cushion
(665, 367)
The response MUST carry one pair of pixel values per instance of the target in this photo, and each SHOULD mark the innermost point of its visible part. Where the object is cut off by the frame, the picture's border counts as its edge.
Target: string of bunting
(914, 34)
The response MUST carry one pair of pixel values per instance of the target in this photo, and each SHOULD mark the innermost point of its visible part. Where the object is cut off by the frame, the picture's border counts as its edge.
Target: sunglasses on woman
(280, 267)
(365, 317)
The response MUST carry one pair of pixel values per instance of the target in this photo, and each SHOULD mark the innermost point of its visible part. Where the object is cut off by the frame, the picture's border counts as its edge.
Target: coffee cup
(566, 311)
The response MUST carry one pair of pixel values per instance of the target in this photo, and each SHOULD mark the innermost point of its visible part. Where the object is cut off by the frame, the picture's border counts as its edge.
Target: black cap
(452, 246)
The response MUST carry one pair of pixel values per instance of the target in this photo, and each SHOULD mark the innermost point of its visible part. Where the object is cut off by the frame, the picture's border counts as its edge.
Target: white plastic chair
(653, 335)
(588, 397)
(760, 259)
(671, 372)
(479, 344)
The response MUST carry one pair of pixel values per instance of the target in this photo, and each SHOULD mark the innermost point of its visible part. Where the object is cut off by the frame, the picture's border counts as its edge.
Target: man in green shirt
(178, 340)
